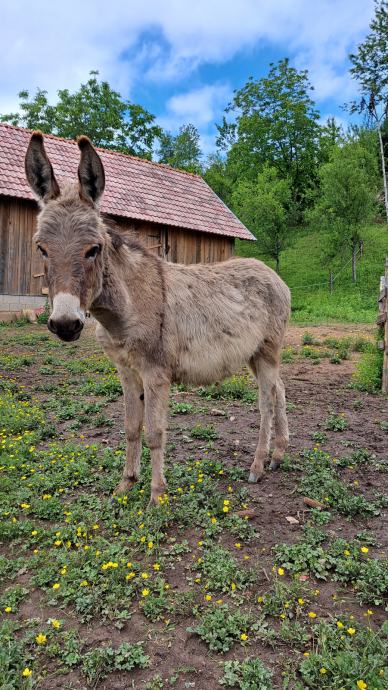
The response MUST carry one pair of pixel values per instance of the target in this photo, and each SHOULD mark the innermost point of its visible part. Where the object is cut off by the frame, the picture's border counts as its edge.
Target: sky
(180, 59)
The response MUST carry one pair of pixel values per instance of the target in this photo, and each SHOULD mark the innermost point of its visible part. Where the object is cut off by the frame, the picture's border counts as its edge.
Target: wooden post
(382, 321)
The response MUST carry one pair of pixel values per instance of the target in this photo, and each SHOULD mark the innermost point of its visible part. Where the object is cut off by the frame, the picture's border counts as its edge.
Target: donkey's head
(70, 236)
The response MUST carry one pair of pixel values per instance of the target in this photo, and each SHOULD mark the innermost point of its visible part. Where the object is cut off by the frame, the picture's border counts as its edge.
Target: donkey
(160, 323)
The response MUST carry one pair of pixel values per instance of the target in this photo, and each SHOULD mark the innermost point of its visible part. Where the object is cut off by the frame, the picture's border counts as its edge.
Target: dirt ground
(314, 391)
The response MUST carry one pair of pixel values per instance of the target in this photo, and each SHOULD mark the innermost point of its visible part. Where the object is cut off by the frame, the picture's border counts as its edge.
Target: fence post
(382, 321)
(331, 282)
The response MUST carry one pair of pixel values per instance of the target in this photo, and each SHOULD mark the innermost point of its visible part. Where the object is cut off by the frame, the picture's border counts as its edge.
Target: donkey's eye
(93, 251)
(42, 251)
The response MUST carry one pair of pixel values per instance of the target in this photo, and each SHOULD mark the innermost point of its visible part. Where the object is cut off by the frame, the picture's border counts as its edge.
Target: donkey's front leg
(134, 413)
(156, 391)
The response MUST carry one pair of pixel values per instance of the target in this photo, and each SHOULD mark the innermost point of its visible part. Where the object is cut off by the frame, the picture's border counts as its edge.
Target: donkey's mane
(118, 238)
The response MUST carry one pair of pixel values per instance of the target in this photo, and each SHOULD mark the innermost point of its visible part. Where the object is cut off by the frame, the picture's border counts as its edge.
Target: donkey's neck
(131, 294)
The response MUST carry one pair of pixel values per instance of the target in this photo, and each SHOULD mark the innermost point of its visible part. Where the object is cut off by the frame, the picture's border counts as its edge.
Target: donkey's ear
(91, 173)
(39, 171)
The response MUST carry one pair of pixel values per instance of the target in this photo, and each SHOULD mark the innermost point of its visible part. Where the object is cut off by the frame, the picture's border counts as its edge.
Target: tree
(183, 150)
(95, 110)
(370, 69)
(330, 136)
(263, 205)
(347, 198)
(216, 176)
(275, 123)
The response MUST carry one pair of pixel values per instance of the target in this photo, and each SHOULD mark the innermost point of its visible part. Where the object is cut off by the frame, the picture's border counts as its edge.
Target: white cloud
(54, 45)
(199, 106)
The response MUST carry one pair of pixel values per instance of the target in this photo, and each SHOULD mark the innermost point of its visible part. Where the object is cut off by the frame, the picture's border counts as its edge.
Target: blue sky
(179, 59)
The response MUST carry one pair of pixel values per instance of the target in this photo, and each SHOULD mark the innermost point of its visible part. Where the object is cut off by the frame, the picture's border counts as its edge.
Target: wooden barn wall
(178, 245)
(21, 265)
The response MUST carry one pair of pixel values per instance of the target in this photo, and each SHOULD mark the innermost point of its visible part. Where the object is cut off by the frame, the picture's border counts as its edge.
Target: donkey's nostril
(52, 326)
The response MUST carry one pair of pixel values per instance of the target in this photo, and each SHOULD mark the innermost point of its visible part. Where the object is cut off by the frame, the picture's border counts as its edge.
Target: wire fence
(329, 283)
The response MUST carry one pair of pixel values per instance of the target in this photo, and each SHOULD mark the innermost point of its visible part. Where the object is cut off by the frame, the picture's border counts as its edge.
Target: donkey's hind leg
(267, 374)
(281, 426)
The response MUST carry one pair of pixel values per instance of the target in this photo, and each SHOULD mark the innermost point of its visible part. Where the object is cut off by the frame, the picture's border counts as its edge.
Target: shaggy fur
(160, 322)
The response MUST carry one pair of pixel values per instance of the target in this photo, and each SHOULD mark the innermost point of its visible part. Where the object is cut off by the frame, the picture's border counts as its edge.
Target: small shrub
(250, 674)
(220, 628)
(369, 371)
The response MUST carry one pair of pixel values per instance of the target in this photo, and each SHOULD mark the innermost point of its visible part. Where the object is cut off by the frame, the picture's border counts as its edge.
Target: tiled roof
(135, 188)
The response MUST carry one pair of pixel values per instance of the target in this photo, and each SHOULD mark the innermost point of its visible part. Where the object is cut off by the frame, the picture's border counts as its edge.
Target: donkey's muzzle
(68, 330)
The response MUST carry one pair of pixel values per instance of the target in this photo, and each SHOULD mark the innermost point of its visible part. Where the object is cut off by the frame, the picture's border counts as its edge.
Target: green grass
(303, 264)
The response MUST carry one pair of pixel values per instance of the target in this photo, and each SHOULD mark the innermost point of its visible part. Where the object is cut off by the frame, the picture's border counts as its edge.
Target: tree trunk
(383, 169)
(354, 264)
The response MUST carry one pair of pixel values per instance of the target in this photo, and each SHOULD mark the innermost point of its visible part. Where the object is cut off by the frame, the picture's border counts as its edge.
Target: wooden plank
(4, 242)
(384, 386)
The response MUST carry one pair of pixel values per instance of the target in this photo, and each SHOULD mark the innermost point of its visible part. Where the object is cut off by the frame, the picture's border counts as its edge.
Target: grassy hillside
(307, 273)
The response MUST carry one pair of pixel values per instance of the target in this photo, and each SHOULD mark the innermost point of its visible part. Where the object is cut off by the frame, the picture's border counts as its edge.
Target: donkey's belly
(215, 362)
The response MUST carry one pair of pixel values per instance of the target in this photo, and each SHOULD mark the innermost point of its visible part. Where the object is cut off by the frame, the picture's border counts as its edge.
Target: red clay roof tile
(135, 188)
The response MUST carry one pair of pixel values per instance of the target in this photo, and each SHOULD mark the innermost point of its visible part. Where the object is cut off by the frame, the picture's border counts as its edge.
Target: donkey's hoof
(275, 464)
(254, 477)
(124, 486)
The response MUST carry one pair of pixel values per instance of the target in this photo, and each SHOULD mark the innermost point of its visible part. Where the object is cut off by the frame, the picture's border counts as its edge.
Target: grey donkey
(160, 323)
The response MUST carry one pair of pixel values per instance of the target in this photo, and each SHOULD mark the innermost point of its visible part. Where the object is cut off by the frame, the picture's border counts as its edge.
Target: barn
(174, 213)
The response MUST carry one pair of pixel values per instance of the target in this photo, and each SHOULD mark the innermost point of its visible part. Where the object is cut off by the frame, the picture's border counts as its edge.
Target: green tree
(217, 177)
(183, 150)
(263, 205)
(96, 110)
(330, 136)
(347, 199)
(370, 70)
(275, 122)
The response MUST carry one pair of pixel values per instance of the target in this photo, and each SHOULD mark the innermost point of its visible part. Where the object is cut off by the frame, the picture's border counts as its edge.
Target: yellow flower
(346, 552)
(56, 585)
(41, 639)
(156, 566)
(145, 592)
(130, 576)
(238, 545)
(243, 637)
(150, 544)
(281, 571)
(219, 601)
(208, 597)
(25, 506)
(311, 614)
(27, 673)
(56, 623)
(351, 631)
(322, 670)
(8, 609)
(340, 624)
(145, 576)
(260, 600)
(213, 520)
(361, 685)
(233, 585)
(364, 549)
(129, 564)
(200, 543)
(225, 509)
(142, 539)
(306, 653)
(57, 542)
(96, 527)
(300, 601)
(34, 533)
(84, 583)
